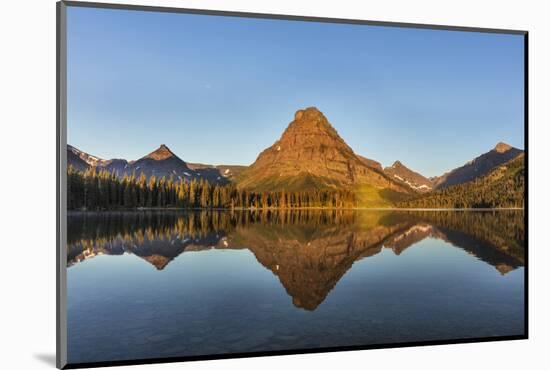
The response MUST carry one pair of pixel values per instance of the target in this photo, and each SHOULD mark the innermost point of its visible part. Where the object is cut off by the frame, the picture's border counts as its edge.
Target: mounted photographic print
(234, 184)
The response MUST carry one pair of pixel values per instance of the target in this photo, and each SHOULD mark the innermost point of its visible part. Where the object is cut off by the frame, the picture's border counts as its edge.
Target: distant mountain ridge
(478, 167)
(160, 163)
(85, 157)
(409, 177)
(230, 172)
(502, 187)
(75, 159)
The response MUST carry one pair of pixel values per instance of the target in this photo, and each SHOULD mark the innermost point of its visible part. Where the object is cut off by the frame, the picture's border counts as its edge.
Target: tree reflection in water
(308, 250)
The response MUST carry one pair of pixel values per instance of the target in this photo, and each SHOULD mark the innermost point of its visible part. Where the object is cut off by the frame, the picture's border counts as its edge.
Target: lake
(181, 283)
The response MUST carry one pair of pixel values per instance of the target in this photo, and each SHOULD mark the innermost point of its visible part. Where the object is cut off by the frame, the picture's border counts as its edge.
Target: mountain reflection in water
(308, 250)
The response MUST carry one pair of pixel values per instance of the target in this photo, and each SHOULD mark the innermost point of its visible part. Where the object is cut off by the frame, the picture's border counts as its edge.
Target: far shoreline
(145, 209)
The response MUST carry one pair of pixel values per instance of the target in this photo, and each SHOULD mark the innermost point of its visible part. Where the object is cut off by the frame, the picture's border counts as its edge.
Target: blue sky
(219, 90)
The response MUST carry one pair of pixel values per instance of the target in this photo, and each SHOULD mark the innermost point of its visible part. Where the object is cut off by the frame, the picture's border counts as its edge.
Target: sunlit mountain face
(308, 251)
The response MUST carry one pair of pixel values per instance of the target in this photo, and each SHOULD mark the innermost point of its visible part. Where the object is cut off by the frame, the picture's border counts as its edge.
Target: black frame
(61, 167)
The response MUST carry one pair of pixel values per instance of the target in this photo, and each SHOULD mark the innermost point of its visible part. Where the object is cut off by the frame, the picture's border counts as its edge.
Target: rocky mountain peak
(502, 147)
(163, 152)
(310, 113)
(310, 120)
(311, 154)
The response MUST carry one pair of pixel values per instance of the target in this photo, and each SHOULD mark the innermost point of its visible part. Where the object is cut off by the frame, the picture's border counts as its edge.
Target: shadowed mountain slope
(502, 187)
(478, 167)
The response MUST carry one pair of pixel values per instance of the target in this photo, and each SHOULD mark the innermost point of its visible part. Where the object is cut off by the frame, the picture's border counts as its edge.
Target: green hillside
(368, 196)
(299, 182)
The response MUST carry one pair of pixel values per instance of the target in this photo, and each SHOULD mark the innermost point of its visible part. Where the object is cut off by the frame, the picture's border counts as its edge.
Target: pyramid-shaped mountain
(311, 155)
(162, 163)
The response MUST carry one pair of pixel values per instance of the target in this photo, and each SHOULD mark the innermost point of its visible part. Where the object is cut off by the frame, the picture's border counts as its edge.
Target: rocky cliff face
(311, 154)
(371, 163)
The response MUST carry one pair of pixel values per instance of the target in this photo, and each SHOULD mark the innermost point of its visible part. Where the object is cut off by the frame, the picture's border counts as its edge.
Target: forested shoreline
(96, 189)
(101, 190)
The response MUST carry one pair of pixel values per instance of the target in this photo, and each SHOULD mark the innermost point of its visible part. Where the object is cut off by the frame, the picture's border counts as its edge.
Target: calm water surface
(169, 283)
